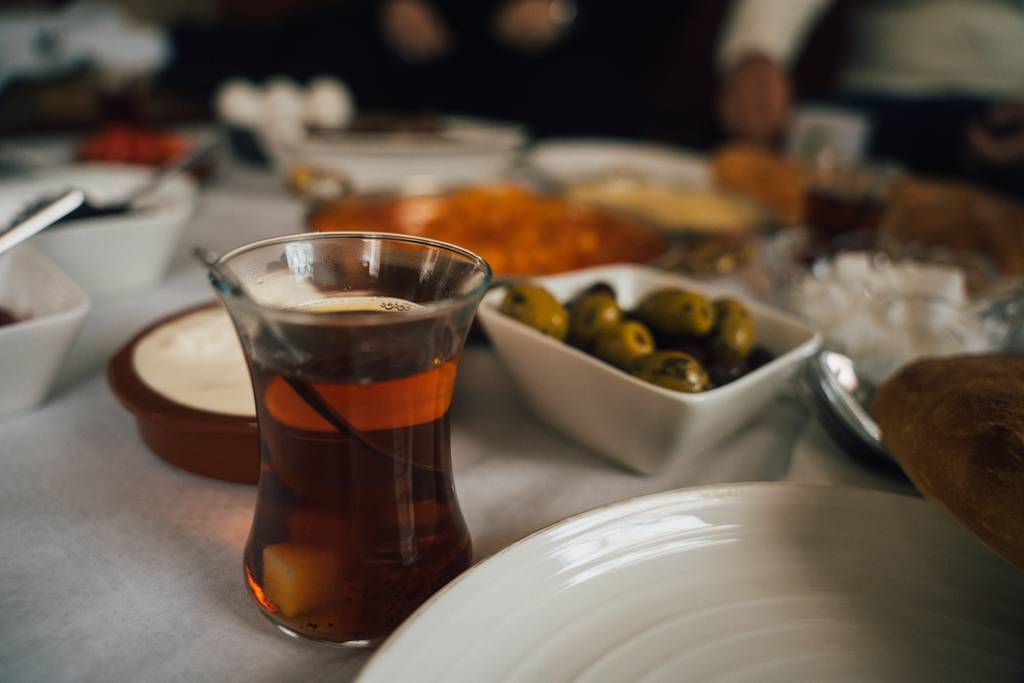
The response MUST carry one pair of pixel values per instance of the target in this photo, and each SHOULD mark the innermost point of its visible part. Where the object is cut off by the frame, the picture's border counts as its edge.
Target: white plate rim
(688, 163)
(685, 494)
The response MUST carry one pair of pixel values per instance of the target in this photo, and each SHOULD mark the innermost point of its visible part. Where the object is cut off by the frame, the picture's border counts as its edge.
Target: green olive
(593, 315)
(734, 333)
(673, 370)
(677, 313)
(624, 343)
(538, 308)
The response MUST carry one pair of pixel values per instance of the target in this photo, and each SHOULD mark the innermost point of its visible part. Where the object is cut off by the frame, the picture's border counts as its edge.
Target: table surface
(116, 566)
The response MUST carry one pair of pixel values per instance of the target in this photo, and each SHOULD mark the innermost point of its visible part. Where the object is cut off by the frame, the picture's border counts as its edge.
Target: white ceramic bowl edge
(637, 424)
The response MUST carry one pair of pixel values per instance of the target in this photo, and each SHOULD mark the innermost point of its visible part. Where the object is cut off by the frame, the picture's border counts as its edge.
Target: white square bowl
(638, 424)
(31, 351)
(109, 254)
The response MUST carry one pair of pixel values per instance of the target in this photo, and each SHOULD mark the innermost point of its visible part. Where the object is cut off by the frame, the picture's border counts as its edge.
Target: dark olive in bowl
(677, 313)
(673, 370)
(591, 317)
(624, 344)
(536, 307)
(733, 336)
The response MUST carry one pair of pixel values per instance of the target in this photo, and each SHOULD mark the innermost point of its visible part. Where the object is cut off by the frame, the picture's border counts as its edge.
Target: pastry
(956, 427)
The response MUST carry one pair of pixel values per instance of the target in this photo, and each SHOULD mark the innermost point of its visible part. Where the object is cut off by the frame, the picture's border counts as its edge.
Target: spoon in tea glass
(224, 281)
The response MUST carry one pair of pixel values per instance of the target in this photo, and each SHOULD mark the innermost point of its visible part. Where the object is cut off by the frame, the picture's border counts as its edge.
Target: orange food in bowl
(517, 231)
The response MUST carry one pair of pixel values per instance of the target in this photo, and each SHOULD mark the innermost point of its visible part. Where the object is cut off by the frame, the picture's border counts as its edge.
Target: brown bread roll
(956, 426)
(959, 216)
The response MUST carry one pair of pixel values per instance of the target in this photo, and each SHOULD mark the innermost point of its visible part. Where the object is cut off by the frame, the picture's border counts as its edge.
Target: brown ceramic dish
(212, 444)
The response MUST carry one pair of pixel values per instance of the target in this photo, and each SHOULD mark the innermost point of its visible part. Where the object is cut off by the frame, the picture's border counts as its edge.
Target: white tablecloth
(114, 566)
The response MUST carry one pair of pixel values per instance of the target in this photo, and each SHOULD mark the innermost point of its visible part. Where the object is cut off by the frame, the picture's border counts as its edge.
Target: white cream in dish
(197, 361)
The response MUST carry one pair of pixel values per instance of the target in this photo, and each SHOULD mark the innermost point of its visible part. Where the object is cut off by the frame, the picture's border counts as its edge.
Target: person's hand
(532, 25)
(997, 140)
(415, 30)
(755, 101)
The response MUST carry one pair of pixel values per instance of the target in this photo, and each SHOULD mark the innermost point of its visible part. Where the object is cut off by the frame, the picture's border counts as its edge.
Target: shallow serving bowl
(111, 254)
(463, 150)
(635, 423)
(32, 350)
(566, 160)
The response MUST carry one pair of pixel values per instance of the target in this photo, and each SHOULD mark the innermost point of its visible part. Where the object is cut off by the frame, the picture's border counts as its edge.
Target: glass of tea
(847, 198)
(353, 341)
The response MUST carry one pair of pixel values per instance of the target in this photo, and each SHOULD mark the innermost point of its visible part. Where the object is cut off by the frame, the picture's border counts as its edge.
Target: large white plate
(568, 159)
(758, 582)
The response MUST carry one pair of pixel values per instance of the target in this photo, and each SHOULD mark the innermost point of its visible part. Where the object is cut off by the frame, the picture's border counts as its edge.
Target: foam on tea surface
(352, 304)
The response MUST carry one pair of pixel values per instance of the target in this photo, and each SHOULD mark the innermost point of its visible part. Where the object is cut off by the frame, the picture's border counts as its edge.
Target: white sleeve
(773, 28)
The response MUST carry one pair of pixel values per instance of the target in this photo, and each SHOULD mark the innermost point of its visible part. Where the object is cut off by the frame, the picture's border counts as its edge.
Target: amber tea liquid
(357, 522)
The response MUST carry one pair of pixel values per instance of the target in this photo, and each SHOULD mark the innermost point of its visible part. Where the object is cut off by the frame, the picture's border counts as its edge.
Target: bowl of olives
(642, 365)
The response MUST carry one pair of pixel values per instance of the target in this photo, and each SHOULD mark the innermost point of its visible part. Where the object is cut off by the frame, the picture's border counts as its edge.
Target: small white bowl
(640, 425)
(31, 351)
(110, 254)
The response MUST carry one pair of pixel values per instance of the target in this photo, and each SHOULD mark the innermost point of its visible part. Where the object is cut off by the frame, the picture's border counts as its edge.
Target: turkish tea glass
(353, 341)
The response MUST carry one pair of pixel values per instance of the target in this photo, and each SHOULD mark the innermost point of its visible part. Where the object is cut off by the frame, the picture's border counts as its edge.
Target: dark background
(639, 69)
